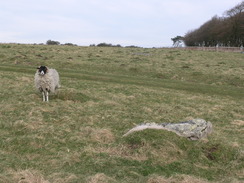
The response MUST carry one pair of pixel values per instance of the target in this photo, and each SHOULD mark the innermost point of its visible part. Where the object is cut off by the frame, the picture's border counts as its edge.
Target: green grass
(77, 136)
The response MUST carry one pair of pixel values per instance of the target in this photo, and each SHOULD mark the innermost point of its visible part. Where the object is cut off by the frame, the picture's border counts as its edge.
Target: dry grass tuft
(176, 179)
(165, 154)
(26, 79)
(60, 178)
(121, 151)
(28, 176)
(28, 125)
(100, 178)
(238, 122)
(103, 136)
(159, 179)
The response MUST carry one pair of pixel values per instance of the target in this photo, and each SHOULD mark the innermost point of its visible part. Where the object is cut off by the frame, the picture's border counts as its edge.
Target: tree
(223, 31)
(236, 21)
(108, 45)
(70, 44)
(178, 41)
(50, 42)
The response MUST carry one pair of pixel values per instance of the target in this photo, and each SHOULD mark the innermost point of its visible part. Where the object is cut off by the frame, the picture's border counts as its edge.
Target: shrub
(50, 42)
(70, 44)
(108, 45)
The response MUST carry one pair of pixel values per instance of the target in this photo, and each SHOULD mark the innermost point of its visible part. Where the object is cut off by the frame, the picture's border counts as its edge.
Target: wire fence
(217, 49)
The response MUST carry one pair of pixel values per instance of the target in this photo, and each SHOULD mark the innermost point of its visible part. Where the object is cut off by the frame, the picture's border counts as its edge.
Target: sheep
(46, 81)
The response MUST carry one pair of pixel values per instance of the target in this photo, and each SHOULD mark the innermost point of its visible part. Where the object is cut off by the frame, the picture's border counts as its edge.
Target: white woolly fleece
(48, 82)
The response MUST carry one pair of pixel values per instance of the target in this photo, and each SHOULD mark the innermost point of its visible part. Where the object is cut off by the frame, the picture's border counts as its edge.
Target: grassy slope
(105, 92)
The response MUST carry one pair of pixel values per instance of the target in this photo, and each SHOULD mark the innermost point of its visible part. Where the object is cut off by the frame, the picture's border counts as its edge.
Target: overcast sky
(146, 23)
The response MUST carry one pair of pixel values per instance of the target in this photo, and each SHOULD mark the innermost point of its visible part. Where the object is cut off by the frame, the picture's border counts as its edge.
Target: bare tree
(236, 21)
(225, 31)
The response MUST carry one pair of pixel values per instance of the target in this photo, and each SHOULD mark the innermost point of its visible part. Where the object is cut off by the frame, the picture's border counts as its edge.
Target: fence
(217, 49)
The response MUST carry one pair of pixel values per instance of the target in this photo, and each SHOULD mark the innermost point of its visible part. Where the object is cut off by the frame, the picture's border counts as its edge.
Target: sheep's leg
(43, 96)
(47, 96)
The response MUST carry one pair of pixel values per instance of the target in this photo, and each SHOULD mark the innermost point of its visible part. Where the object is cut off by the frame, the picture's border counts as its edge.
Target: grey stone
(193, 129)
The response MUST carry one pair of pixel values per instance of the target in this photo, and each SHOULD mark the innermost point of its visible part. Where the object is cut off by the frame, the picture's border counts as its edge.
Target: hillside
(77, 136)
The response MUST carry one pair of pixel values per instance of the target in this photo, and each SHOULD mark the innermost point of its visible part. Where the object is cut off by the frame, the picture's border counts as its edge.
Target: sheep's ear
(38, 68)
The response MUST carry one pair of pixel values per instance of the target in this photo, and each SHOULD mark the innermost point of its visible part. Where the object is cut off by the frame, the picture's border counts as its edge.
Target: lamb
(46, 81)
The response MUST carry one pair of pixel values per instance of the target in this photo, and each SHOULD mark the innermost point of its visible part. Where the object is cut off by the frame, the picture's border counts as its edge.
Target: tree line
(52, 42)
(219, 31)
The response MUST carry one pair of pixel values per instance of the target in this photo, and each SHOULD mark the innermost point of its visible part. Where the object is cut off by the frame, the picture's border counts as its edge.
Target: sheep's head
(42, 70)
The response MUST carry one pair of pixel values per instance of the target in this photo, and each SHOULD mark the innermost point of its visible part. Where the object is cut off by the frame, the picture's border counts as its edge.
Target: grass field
(77, 136)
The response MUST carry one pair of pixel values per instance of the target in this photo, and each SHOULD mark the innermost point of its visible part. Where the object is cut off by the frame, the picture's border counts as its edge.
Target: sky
(145, 23)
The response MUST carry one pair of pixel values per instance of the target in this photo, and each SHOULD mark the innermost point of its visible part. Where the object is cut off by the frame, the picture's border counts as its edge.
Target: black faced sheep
(46, 81)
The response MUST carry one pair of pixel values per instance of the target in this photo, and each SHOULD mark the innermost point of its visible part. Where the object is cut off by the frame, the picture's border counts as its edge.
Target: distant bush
(118, 45)
(70, 44)
(111, 45)
(6, 46)
(132, 46)
(50, 42)
(108, 45)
